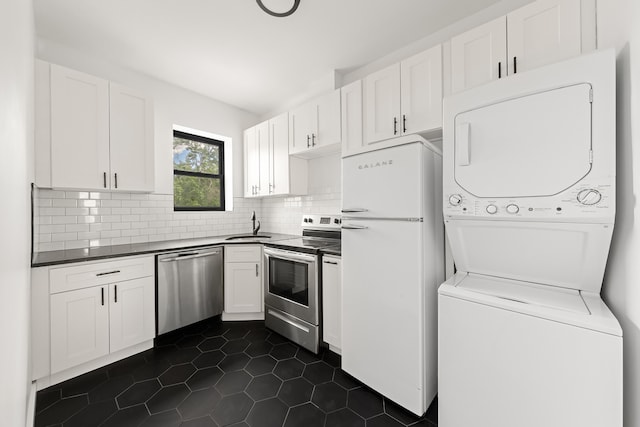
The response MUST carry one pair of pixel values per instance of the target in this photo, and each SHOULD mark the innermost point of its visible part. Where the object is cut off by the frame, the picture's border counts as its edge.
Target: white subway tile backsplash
(63, 237)
(76, 211)
(64, 220)
(69, 220)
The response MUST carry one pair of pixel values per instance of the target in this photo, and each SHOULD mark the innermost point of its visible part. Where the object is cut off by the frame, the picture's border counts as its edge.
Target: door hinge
(590, 156)
(591, 95)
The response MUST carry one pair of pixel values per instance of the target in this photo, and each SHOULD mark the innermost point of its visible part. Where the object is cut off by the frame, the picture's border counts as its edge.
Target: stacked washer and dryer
(529, 205)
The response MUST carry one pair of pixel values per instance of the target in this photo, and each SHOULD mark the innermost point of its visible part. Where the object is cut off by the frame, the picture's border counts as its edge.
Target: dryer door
(532, 145)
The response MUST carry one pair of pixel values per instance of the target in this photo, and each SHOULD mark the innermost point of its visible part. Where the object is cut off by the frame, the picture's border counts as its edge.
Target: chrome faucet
(253, 220)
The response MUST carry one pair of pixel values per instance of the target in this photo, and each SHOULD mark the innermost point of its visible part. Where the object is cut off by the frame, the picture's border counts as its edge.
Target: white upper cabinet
(404, 98)
(269, 170)
(382, 104)
(251, 163)
(79, 130)
(479, 55)
(314, 127)
(351, 115)
(421, 91)
(101, 133)
(537, 34)
(131, 139)
(543, 32)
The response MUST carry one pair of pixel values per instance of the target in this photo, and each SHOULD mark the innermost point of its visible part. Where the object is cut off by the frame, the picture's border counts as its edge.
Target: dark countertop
(41, 259)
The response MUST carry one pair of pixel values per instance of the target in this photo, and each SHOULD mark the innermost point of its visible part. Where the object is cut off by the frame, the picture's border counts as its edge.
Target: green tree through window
(198, 173)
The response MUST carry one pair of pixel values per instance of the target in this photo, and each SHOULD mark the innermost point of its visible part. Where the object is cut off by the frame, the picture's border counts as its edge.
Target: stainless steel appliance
(189, 287)
(293, 281)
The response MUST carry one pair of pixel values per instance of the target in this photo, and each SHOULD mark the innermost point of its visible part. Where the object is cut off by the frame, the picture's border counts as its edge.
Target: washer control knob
(513, 209)
(491, 209)
(589, 196)
(455, 199)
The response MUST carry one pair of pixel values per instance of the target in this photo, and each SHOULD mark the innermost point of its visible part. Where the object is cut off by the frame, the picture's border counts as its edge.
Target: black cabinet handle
(115, 175)
(107, 273)
(104, 179)
(515, 65)
(313, 139)
(395, 125)
(404, 123)
(499, 70)
(257, 273)
(102, 295)
(308, 144)
(115, 293)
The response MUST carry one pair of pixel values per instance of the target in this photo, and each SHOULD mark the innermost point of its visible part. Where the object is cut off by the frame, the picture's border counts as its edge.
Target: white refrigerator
(393, 262)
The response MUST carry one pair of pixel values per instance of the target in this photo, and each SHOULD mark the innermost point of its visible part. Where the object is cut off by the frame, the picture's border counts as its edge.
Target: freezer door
(384, 183)
(533, 145)
(389, 310)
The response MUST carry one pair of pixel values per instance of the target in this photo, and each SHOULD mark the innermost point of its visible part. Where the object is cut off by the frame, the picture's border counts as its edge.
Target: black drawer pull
(107, 273)
(102, 295)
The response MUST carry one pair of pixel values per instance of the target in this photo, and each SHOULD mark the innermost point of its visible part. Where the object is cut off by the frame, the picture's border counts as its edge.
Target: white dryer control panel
(586, 201)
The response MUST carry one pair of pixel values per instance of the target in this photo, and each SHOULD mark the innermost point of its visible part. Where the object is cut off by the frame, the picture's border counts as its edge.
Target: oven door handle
(289, 256)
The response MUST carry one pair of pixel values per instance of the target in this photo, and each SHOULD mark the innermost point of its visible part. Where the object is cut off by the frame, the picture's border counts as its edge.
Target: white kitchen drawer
(85, 275)
(243, 253)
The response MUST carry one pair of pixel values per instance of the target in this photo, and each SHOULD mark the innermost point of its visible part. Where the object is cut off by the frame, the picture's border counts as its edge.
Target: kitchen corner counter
(42, 259)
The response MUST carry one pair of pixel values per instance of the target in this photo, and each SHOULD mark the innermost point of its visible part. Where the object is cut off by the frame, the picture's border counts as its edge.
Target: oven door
(291, 283)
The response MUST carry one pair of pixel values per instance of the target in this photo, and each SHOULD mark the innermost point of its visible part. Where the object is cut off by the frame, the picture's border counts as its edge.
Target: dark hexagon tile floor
(215, 374)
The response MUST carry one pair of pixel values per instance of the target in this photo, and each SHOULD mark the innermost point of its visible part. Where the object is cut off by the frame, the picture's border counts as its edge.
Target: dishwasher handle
(191, 256)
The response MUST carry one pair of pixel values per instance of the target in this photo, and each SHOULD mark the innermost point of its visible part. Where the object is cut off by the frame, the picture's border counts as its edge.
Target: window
(198, 173)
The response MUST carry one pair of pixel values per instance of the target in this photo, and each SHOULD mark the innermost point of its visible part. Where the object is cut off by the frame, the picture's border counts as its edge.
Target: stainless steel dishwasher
(189, 287)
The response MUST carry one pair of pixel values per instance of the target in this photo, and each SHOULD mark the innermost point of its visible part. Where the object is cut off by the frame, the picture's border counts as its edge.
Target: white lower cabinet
(88, 315)
(332, 302)
(131, 312)
(79, 327)
(243, 293)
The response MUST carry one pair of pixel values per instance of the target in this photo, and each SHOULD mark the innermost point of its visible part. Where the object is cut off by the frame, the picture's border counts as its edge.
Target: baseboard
(234, 317)
(31, 405)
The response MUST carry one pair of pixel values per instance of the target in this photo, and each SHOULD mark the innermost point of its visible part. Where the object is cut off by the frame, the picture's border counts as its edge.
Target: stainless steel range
(293, 281)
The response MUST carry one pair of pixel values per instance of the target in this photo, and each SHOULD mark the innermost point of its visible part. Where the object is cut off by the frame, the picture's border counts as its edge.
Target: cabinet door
(131, 312)
(421, 87)
(79, 327)
(131, 140)
(382, 104)
(327, 120)
(543, 32)
(79, 130)
(279, 159)
(332, 301)
(243, 288)
(479, 55)
(300, 121)
(351, 112)
(251, 162)
(263, 143)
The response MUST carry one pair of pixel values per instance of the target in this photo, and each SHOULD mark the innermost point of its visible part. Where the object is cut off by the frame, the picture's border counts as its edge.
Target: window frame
(220, 175)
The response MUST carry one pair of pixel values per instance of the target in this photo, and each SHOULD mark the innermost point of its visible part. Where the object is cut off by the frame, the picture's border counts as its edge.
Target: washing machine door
(532, 145)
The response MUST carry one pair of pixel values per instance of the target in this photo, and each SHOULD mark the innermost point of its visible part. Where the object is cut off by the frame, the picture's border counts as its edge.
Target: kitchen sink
(248, 236)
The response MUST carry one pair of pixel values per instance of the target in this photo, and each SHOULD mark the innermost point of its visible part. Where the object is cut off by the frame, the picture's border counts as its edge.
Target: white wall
(619, 27)
(16, 138)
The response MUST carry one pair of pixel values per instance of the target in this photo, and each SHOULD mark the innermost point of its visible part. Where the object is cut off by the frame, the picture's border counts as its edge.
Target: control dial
(589, 196)
(455, 199)
(513, 209)
(491, 209)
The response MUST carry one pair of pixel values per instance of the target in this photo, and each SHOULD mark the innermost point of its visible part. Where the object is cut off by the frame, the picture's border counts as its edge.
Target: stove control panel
(317, 221)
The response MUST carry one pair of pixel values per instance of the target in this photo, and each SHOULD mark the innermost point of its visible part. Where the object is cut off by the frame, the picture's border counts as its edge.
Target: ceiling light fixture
(296, 3)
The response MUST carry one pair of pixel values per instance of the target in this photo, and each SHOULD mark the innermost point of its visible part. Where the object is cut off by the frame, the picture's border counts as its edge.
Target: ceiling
(232, 51)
